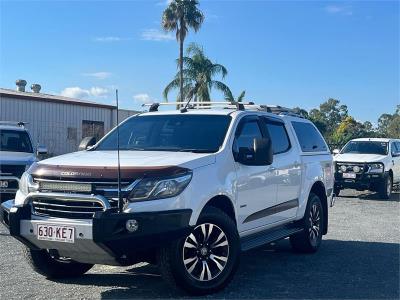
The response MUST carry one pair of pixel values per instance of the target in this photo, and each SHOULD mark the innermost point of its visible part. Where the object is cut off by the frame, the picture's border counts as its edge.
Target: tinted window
(398, 146)
(309, 137)
(248, 132)
(15, 141)
(395, 147)
(366, 147)
(196, 133)
(279, 137)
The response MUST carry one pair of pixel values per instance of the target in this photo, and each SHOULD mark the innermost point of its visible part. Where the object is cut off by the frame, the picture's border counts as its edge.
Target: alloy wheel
(389, 186)
(315, 224)
(206, 252)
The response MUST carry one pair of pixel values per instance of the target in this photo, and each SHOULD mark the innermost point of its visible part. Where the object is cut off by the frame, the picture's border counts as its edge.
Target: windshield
(191, 133)
(369, 147)
(15, 141)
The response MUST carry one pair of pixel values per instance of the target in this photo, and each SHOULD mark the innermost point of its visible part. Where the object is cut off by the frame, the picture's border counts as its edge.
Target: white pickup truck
(368, 164)
(197, 187)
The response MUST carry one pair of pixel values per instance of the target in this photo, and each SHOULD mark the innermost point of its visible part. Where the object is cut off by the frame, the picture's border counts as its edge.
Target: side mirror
(86, 143)
(41, 150)
(336, 151)
(260, 155)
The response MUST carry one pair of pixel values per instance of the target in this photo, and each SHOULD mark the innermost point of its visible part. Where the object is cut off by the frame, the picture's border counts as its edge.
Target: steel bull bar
(105, 239)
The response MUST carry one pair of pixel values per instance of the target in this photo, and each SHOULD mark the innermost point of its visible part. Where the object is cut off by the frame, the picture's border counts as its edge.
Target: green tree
(350, 129)
(229, 97)
(389, 124)
(328, 117)
(180, 16)
(198, 76)
(319, 120)
(302, 112)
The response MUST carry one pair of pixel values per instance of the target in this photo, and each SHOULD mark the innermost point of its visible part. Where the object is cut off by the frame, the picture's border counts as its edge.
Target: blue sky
(281, 52)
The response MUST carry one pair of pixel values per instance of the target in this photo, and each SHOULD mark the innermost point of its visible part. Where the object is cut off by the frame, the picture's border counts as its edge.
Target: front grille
(107, 189)
(66, 208)
(12, 170)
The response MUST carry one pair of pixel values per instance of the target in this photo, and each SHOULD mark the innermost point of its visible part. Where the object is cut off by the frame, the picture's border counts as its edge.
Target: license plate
(349, 175)
(3, 184)
(56, 233)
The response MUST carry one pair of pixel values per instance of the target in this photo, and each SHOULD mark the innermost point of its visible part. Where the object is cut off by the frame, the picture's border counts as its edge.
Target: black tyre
(205, 261)
(309, 240)
(386, 187)
(47, 265)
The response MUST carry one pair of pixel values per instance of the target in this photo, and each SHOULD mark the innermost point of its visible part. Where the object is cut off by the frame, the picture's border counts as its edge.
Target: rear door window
(309, 137)
(279, 136)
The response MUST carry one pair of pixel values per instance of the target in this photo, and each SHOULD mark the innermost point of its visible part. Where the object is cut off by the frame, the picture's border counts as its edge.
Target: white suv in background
(16, 156)
(197, 187)
(368, 164)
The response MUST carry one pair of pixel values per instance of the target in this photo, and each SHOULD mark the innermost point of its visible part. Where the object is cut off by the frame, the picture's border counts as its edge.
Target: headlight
(375, 168)
(26, 184)
(151, 188)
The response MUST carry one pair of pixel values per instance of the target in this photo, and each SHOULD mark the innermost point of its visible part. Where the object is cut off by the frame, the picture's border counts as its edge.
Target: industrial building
(57, 122)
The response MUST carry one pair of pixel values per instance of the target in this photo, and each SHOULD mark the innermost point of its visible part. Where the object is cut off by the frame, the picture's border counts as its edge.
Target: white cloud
(98, 91)
(98, 75)
(339, 9)
(77, 92)
(109, 39)
(165, 2)
(74, 92)
(143, 98)
(156, 35)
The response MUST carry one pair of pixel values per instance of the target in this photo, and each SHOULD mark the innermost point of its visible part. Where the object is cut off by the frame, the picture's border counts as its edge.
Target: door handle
(271, 168)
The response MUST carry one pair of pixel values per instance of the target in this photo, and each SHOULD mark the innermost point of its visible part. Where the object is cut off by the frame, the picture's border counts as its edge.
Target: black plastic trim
(272, 210)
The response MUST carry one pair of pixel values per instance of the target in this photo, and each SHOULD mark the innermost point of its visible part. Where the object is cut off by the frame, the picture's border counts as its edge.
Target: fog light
(132, 225)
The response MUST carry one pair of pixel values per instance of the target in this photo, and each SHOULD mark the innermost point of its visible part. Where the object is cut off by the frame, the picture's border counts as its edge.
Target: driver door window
(246, 135)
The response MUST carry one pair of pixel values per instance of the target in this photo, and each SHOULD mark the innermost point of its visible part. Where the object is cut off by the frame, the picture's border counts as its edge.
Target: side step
(268, 236)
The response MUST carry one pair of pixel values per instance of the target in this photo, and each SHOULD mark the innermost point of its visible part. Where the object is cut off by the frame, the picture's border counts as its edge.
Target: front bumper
(103, 239)
(362, 181)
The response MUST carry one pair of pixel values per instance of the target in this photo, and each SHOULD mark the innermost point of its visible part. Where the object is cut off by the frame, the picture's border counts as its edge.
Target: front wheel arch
(224, 204)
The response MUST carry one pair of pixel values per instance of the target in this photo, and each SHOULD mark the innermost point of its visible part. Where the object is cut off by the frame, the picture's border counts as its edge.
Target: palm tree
(180, 16)
(198, 76)
(229, 97)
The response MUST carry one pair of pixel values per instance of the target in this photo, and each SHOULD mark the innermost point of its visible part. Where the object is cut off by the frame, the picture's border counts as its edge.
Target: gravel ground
(359, 258)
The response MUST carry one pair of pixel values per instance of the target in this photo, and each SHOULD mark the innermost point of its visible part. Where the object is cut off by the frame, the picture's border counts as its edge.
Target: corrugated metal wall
(57, 126)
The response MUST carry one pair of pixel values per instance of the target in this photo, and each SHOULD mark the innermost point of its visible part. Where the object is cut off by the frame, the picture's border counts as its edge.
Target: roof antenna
(120, 203)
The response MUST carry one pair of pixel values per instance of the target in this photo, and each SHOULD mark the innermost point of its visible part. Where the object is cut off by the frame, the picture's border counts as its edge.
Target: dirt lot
(359, 258)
